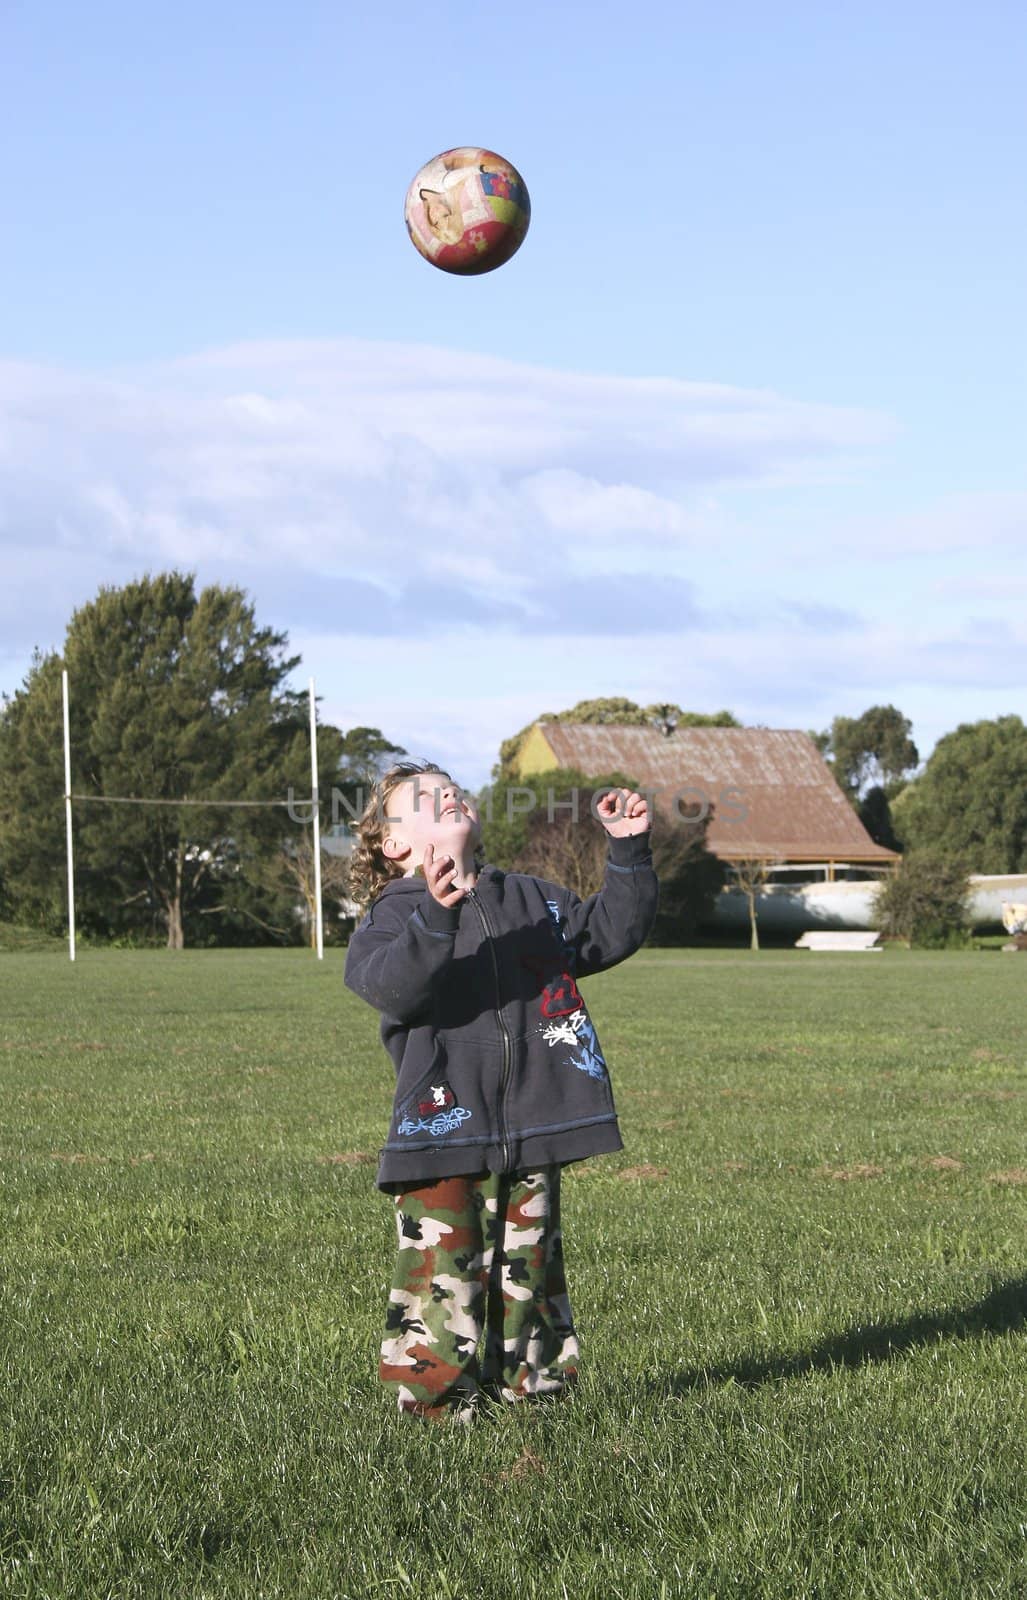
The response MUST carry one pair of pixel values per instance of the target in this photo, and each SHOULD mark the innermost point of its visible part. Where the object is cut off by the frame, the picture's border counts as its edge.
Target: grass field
(801, 1292)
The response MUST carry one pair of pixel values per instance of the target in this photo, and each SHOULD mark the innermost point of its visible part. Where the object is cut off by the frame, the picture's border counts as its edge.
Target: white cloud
(286, 464)
(568, 502)
(457, 542)
(350, 448)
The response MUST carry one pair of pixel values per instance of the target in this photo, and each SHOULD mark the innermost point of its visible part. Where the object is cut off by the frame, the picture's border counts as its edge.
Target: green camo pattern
(479, 1258)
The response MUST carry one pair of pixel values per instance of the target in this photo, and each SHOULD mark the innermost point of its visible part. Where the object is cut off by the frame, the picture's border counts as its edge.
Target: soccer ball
(467, 210)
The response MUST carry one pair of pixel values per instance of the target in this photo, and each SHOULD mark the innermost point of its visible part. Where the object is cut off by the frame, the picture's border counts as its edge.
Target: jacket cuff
(439, 919)
(631, 850)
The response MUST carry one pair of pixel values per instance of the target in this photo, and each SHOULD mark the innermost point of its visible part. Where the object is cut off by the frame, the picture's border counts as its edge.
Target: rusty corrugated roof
(770, 791)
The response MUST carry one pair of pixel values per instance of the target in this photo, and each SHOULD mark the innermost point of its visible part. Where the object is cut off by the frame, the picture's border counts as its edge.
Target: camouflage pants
(480, 1258)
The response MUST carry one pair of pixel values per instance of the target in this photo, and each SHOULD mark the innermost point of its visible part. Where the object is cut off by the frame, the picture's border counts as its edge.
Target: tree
(365, 755)
(875, 813)
(925, 902)
(970, 802)
(175, 696)
(31, 784)
(289, 875)
(539, 827)
(872, 750)
(870, 757)
(690, 877)
(750, 876)
(568, 851)
(545, 826)
(610, 710)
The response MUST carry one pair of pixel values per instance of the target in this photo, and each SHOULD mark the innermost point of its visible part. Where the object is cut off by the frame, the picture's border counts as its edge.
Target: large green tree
(970, 802)
(175, 696)
(872, 750)
(870, 757)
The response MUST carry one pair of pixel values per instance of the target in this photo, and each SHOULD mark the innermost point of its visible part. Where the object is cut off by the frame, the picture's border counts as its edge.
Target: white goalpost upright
(315, 816)
(67, 817)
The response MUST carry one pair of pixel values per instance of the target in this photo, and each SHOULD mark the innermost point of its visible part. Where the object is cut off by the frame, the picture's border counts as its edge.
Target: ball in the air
(467, 211)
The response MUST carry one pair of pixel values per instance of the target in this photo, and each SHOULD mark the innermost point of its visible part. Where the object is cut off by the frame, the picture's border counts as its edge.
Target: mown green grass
(801, 1292)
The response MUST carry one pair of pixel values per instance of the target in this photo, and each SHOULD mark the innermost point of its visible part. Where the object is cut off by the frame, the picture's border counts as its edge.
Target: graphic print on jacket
(568, 1021)
(437, 1113)
(561, 996)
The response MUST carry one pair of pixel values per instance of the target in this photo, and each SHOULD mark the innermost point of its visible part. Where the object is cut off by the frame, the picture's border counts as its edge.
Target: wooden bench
(839, 941)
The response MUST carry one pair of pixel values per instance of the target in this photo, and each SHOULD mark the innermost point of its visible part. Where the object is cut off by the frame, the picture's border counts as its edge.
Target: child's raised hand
(623, 813)
(438, 875)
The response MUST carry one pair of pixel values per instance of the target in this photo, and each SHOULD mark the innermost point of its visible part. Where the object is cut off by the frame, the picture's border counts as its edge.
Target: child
(500, 1082)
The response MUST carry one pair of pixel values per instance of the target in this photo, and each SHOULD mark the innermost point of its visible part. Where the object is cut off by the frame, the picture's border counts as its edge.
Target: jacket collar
(415, 884)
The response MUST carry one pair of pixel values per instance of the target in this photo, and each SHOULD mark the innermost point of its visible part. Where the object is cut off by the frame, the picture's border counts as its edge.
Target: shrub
(926, 902)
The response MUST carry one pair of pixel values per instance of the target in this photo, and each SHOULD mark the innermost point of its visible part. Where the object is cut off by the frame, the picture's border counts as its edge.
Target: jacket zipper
(503, 1030)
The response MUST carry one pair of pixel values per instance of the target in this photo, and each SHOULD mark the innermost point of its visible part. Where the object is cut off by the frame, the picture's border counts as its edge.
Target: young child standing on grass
(500, 1082)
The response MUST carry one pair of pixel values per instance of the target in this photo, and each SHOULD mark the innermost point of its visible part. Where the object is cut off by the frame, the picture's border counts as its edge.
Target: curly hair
(370, 869)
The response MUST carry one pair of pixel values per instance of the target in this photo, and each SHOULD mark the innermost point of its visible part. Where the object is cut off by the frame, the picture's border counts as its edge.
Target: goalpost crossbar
(143, 800)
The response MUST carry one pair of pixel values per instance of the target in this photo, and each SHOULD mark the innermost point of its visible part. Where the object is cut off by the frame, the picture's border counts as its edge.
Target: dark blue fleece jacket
(497, 1062)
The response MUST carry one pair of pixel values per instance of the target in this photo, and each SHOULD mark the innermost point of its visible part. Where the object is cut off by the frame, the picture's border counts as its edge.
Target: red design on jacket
(560, 994)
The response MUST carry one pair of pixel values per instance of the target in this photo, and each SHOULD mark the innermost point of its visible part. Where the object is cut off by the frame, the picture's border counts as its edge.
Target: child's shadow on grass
(1002, 1310)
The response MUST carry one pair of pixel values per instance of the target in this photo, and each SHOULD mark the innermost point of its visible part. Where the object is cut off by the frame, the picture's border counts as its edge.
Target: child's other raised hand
(439, 873)
(623, 813)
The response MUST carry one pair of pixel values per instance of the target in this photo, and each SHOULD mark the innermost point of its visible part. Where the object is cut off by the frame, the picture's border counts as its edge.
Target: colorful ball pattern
(467, 211)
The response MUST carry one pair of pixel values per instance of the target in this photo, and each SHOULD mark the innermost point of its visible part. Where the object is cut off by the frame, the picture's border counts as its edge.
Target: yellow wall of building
(535, 754)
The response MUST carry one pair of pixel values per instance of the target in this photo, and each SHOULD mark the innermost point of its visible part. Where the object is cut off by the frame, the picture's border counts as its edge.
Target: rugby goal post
(315, 816)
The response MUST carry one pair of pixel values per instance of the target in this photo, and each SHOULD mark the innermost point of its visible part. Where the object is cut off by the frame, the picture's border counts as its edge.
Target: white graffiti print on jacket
(577, 1030)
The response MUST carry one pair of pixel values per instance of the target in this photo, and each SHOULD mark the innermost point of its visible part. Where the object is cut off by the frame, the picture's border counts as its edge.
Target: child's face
(428, 809)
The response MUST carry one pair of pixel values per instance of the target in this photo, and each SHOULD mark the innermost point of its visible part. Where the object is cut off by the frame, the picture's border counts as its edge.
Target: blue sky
(741, 425)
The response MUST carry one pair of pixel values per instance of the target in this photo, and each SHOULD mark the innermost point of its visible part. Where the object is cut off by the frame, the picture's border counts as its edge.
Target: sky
(741, 426)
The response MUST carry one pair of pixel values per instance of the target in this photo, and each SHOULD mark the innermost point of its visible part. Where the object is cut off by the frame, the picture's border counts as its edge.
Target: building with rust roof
(768, 791)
